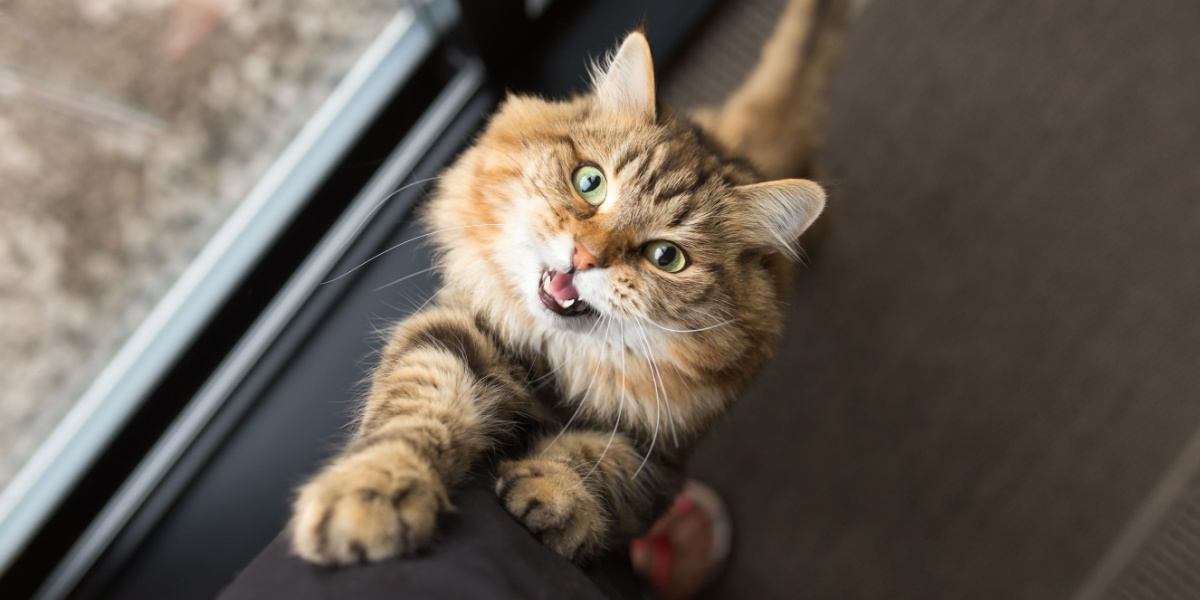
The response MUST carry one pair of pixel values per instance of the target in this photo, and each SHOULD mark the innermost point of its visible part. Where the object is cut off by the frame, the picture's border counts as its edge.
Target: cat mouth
(557, 292)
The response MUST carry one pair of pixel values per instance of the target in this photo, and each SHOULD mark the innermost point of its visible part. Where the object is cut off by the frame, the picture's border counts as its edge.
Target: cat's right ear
(777, 212)
(626, 86)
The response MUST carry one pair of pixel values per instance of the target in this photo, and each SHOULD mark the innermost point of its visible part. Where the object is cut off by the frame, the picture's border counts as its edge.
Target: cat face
(598, 214)
(623, 220)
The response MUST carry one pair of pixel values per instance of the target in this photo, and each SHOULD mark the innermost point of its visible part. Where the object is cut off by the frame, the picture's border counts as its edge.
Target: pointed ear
(777, 212)
(626, 86)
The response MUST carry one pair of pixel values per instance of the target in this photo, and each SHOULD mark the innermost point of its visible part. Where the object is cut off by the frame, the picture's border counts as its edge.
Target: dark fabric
(481, 552)
(996, 353)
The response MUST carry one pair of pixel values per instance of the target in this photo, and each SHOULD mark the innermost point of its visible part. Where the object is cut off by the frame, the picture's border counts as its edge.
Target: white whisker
(586, 391)
(657, 404)
(560, 367)
(620, 407)
(405, 278)
(657, 371)
(547, 375)
(721, 324)
(391, 195)
(414, 302)
(426, 302)
(405, 242)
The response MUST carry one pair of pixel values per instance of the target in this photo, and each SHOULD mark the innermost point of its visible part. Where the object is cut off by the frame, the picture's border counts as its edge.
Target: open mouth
(558, 293)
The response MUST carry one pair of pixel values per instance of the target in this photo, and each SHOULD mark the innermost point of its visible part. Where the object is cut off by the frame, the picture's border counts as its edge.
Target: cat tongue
(561, 287)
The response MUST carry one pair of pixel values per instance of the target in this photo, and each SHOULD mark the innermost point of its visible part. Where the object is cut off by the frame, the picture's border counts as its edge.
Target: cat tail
(776, 117)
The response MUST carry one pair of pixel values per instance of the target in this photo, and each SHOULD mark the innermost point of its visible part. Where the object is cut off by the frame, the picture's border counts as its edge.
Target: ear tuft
(626, 85)
(779, 211)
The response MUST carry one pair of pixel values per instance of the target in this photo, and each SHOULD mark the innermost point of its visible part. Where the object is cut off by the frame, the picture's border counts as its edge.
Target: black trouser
(480, 552)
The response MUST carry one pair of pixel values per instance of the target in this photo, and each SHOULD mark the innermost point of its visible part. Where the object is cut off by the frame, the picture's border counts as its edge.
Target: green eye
(665, 256)
(589, 182)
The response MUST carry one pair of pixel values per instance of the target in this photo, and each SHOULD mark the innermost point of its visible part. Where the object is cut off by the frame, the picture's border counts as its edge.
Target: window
(157, 147)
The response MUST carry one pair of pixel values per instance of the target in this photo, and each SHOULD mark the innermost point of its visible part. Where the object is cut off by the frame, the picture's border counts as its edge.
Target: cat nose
(583, 259)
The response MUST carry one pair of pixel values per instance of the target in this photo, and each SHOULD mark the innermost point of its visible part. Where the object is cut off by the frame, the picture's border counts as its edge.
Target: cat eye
(589, 183)
(665, 255)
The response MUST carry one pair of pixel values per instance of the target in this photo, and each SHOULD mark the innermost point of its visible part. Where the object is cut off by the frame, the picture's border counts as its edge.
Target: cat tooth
(569, 303)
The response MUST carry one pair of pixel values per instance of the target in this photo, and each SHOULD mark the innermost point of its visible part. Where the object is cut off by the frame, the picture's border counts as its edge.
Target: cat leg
(776, 117)
(440, 397)
(583, 492)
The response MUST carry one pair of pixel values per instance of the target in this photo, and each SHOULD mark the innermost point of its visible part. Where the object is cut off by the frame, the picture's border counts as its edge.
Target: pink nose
(583, 259)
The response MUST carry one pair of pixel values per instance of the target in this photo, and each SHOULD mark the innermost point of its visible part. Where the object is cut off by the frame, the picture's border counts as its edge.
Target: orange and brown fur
(597, 409)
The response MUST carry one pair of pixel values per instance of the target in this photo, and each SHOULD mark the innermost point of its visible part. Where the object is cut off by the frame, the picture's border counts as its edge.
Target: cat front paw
(552, 502)
(361, 510)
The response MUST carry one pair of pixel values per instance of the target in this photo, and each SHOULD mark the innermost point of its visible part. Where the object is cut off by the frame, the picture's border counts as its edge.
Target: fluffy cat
(613, 279)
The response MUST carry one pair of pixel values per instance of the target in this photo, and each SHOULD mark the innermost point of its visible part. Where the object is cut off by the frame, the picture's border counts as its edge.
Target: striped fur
(593, 416)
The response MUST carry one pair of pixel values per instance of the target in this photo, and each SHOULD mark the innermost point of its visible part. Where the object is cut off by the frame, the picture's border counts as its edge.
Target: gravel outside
(129, 129)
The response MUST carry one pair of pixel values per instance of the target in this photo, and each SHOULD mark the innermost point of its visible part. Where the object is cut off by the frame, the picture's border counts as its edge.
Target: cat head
(604, 213)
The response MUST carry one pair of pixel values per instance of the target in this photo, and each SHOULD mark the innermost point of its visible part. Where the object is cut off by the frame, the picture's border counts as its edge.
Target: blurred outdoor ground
(129, 129)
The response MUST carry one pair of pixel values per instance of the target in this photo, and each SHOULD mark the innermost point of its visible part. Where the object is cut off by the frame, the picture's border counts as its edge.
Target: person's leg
(480, 552)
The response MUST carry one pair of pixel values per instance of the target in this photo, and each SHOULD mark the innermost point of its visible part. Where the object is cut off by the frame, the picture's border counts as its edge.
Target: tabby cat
(614, 275)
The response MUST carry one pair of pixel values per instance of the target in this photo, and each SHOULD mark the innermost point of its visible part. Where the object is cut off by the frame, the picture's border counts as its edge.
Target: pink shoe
(688, 547)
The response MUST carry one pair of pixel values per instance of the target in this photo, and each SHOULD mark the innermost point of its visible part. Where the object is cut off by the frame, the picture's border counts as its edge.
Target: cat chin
(549, 320)
(579, 323)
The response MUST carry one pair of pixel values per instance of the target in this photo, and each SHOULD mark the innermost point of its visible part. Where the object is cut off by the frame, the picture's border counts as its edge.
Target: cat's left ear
(626, 86)
(777, 212)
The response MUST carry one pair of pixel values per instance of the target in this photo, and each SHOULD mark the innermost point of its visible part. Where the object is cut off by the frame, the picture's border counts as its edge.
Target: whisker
(392, 194)
(405, 278)
(559, 367)
(620, 407)
(412, 302)
(426, 302)
(586, 391)
(657, 404)
(422, 236)
(374, 209)
(657, 371)
(721, 324)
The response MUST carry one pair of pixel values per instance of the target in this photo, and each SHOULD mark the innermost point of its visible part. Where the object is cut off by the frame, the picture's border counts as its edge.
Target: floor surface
(993, 359)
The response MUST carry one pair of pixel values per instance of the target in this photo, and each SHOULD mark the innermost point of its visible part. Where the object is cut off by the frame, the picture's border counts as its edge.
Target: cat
(613, 278)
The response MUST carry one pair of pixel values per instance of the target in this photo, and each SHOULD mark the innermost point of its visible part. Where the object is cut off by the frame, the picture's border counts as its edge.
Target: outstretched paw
(363, 510)
(553, 503)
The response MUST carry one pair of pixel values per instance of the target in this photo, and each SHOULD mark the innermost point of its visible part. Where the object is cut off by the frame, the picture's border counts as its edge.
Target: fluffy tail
(775, 118)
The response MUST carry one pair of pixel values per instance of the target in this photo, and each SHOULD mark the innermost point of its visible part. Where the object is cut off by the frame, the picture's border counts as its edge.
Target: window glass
(129, 131)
